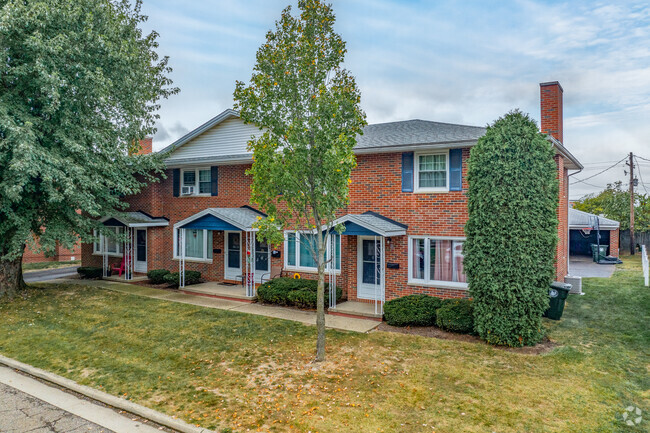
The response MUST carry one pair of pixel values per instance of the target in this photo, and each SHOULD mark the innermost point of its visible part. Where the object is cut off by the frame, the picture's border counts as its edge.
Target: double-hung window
(198, 244)
(431, 172)
(114, 246)
(198, 178)
(436, 261)
(299, 249)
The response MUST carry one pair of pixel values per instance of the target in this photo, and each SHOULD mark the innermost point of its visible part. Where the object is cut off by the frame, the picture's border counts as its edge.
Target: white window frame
(102, 239)
(427, 267)
(206, 247)
(416, 172)
(297, 266)
(196, 171)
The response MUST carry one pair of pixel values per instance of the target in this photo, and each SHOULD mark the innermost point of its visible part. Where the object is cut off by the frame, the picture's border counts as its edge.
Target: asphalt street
(49, 274)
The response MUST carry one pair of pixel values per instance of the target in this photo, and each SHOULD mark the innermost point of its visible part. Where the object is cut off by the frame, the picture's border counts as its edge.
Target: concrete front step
(357, 309)
(221, 291)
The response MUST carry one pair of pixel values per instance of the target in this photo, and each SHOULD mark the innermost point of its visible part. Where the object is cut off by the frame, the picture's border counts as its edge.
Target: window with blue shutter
(407, 172)
(456, 170)
(176, 180)
(214, 178)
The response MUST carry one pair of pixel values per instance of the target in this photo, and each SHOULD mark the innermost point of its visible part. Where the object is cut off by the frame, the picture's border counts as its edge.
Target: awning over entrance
(579, 220)
(135, 219)
(222, 218)
(371, 224)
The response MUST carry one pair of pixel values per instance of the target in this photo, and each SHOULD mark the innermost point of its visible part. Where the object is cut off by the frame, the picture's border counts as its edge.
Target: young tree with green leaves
(307, 107)
(80, 85)
(511, 231)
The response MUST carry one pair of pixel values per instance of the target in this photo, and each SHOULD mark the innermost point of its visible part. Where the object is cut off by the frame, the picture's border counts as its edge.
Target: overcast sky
(461, 62)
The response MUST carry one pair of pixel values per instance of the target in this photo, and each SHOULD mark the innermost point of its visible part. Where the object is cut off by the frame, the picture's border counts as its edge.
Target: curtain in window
(459, 269)
(418, 259)
(307, 244)
(291, 249)
(441, 260)
(194, 243)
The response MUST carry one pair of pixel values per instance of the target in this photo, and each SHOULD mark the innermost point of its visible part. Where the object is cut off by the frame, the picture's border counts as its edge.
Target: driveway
(49, 274)
(584, 266)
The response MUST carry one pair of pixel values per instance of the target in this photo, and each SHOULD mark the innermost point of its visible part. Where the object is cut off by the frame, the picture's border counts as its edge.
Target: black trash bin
(557, 293)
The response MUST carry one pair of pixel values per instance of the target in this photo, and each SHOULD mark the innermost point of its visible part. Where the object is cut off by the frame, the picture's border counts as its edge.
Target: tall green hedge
(512, 230)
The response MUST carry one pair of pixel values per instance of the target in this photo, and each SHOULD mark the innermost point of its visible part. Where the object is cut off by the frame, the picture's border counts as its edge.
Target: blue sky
(461, 62)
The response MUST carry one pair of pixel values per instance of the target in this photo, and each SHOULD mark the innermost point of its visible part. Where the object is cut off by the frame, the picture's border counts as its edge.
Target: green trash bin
(557, 293)
(594, 252)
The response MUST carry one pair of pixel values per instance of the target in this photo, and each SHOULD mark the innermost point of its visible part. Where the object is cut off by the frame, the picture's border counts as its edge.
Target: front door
(262, 261)
(233, 256)
(140, 262)
(369, 271)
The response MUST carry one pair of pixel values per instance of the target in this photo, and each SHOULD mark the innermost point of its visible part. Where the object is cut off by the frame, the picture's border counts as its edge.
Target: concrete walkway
(27, 404)
(585, 267)
(295, 315)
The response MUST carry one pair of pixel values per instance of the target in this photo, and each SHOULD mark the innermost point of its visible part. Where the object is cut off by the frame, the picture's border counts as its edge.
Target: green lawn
(221, 369)
(49, 265)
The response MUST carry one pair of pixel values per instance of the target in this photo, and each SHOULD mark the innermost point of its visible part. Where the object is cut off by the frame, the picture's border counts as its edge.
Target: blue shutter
(456, 170)
(214, 180)
(176, 180)
(407, 171)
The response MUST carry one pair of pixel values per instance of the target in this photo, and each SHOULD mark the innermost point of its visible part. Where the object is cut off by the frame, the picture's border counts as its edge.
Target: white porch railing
(249, 276)
(380, 281)
(645, 265)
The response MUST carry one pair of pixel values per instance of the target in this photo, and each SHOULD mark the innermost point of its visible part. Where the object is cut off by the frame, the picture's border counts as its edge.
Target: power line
(640, 176)
(600, 172)
(646, 159)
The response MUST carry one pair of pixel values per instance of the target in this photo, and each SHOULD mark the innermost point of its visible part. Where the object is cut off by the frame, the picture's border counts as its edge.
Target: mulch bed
(433, 332)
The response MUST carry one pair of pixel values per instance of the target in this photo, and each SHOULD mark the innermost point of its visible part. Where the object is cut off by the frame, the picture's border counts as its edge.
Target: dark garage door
(579, 243)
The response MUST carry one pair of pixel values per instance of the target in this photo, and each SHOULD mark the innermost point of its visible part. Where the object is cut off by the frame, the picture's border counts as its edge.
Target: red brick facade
(376, 186)
(59, 255)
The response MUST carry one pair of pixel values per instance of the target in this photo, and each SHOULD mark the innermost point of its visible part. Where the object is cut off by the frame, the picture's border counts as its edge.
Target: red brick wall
(562, 249)
(613, 242)
(552, 109)
(59, 255)
(376, 186)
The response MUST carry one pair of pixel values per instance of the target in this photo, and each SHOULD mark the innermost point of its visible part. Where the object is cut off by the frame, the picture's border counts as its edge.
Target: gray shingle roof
(579, 220)
(416, 132)
(375, 223)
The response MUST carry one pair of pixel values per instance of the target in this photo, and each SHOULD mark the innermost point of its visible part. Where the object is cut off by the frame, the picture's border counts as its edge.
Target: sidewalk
(30, 405)
(305, 317)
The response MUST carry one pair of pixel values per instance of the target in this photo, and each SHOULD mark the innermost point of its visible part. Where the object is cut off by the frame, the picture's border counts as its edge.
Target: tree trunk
(11, 277)
(320, 315)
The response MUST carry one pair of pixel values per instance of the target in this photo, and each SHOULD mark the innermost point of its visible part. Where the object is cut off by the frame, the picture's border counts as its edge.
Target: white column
(376, 275)
(332, 271)
(382, 266)
(181, 262)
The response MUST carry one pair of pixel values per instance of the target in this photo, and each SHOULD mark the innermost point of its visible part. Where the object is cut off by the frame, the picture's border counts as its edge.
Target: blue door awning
(210, 222)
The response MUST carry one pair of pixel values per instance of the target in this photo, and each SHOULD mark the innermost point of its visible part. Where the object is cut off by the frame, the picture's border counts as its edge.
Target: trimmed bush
(90, 272)
(412, 310)
(294, 292)
(191, 277)
(157, 276)
(456, 315)
(511, 230)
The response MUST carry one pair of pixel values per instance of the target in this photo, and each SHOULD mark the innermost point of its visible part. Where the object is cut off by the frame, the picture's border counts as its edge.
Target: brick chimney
(551, 109)
(146, 146)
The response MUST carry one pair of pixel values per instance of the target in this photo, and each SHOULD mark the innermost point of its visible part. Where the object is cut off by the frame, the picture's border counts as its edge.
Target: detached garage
(583, 231)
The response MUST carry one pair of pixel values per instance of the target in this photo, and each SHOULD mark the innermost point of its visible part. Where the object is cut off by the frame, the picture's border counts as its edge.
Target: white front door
(233, 255)
(369, 271)
(140, 262)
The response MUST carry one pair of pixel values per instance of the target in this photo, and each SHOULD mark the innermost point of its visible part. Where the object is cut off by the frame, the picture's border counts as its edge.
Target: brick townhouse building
(404, 223)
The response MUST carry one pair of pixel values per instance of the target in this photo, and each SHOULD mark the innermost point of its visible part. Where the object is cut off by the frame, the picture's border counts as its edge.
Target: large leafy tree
(307, 106)
(79, 85)
(511, 231)
(614, 203)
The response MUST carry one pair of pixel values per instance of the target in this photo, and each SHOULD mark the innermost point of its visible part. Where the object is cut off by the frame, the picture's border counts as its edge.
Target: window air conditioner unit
(187, 190)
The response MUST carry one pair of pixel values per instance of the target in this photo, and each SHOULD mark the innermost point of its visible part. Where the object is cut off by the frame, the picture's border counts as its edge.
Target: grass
(225, 370)
(49, 265)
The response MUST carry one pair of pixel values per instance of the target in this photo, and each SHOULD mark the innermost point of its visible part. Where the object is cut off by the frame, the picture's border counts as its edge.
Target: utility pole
(632, 242)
